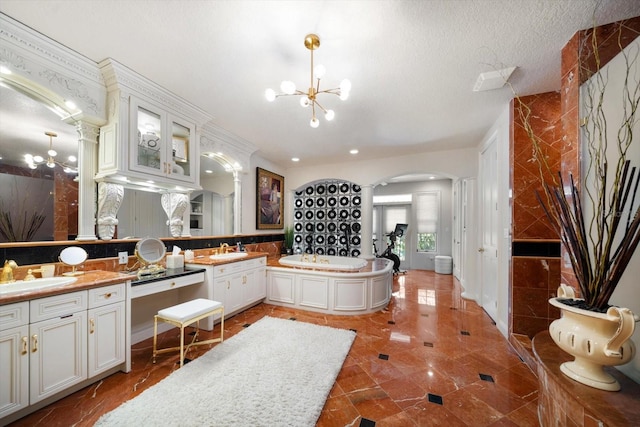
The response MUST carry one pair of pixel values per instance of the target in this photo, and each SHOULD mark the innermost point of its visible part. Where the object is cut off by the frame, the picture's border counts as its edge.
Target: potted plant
(288, 240)
(598, 221)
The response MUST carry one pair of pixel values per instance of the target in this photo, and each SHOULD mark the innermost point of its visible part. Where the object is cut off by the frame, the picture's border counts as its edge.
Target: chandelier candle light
(34, 161)
(312, 42)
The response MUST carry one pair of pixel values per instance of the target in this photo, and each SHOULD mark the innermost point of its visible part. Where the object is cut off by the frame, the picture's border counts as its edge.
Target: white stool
(183, 315)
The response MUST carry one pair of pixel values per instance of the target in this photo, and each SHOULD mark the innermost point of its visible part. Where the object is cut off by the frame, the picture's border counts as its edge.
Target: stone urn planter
(595, 340)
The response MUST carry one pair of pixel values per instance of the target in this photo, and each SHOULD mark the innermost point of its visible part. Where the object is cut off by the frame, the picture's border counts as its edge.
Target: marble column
(87, 162)
(367, 222)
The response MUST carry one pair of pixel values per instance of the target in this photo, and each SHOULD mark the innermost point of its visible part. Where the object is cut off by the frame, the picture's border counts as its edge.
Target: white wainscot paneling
(314, 291)
(379, 291)
(350, 294)
(282, 287)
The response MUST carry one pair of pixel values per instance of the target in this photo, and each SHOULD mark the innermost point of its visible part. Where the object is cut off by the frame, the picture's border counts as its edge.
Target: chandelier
(34, 161)
(309, 98)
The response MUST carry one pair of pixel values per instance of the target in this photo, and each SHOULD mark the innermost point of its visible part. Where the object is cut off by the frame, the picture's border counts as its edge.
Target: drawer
(12, 315)
(57, 305)
(106, 295)
(234, 267)
(166, 285)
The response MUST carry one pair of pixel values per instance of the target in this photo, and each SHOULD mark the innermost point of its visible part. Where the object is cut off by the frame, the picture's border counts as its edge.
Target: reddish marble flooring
(431, 358)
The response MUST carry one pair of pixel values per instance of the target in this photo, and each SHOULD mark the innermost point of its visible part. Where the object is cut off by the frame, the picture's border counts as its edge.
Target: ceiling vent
(493, 79)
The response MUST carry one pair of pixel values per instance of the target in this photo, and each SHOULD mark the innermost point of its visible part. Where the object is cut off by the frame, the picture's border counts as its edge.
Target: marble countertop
(205, 260)
(88, 280)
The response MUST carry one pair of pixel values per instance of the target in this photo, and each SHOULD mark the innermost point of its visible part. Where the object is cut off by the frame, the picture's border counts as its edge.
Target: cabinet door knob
(25, 345)
(34, 343)
(107, 296)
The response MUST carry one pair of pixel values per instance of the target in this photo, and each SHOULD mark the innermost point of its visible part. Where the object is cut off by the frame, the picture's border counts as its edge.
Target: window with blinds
(427, 206)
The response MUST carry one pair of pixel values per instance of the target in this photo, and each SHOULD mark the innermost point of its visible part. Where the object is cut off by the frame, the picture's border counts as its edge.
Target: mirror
(32, 192)
(25, 119)
(73, 256)
(150, 251)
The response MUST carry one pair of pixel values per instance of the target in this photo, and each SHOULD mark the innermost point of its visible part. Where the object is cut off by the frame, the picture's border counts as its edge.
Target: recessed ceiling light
(70, 104)
(432, 177)
(295, 159)
(208, 171)
(4, 70)
(354, 151)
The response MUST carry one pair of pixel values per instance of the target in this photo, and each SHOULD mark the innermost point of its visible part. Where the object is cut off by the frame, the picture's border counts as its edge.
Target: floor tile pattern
(431, 374)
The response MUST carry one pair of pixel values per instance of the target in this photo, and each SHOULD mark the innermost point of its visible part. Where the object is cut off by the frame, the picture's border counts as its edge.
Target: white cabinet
(58, 344)
(106, 318)
(237, 285)
(48, 345)
(164, 143)
(14, 357)
(151, 134)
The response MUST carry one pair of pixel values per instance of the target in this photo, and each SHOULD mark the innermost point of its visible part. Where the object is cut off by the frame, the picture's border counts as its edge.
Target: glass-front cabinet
(164, 143)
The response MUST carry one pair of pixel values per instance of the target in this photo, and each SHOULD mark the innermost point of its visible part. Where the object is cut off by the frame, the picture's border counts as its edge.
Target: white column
(367, 222)
(237, 203)
(228, 214)
(87, 162)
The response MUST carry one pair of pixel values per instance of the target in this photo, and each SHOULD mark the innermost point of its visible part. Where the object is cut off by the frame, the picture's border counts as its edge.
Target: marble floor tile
(418, 362)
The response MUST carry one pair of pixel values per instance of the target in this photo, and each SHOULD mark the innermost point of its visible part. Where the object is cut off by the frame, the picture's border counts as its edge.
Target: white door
(489, 229)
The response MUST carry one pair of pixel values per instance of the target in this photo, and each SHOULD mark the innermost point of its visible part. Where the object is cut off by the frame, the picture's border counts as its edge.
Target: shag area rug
(275, 372)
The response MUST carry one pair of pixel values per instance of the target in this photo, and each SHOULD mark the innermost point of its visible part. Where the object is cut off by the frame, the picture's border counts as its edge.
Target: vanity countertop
(205, 260)
(88, 280)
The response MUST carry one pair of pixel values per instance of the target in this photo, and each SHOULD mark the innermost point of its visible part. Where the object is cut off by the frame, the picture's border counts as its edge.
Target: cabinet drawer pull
(228, 284)
(34, 343)
(92, 326)
(107, 296)
(244, 280)
(172, 284)
(25, 345)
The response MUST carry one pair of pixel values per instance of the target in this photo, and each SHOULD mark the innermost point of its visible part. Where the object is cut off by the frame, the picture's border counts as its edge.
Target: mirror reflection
(34, 196)
(39, 190)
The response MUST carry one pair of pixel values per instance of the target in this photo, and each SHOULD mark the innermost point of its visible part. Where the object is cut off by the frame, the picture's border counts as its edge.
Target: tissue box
(175, 261)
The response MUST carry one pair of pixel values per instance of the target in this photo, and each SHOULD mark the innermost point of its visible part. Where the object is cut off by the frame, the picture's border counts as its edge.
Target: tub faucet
(7, 272)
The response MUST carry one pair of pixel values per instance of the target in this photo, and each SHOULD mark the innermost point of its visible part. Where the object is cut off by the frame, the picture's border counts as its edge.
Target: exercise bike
(388, 253)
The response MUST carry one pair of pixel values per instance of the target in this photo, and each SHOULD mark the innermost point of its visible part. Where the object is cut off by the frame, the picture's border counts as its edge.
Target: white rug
(275, 372)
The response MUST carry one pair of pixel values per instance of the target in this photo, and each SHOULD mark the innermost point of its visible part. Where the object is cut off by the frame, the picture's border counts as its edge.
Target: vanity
(58, 340)
(238, 282)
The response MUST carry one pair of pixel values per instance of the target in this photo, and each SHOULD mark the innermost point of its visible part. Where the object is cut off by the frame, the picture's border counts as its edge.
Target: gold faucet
(7, 271)
(304, 258)
(224, 248)
(315, 258)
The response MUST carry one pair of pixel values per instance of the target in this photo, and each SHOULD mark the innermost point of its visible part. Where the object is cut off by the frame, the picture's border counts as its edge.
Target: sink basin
(35, 285)
(229, 256)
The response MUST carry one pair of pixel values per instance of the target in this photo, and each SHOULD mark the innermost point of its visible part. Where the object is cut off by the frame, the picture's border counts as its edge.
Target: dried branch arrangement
(597, 218)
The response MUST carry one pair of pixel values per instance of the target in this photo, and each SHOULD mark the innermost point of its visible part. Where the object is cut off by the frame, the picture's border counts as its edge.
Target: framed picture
(269, 200)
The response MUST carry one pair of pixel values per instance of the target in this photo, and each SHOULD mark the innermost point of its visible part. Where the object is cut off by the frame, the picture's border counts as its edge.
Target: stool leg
(155, 336)
(222, 325)
(181, 345)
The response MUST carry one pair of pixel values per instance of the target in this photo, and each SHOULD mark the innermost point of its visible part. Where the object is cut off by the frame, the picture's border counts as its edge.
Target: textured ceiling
(412, 64)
